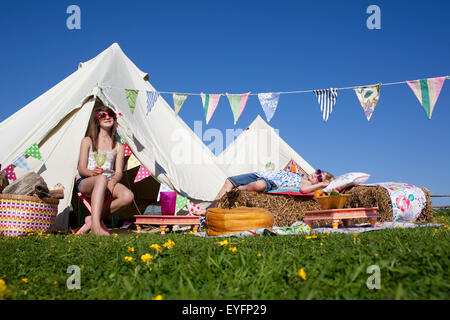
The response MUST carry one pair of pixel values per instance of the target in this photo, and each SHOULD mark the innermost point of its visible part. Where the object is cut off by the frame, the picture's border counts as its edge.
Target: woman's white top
(108, 166)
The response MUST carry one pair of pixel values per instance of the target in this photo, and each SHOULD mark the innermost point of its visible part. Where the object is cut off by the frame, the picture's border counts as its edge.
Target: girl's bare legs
(122, 197)
(259, 185)
(94, 187)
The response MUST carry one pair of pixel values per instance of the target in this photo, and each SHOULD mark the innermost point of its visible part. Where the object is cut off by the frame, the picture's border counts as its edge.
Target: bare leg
(227, 187)
(122, 197)
(258, 186)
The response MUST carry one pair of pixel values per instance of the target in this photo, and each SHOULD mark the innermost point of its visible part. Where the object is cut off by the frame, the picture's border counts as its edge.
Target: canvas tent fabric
(58, 119)
(259, 148)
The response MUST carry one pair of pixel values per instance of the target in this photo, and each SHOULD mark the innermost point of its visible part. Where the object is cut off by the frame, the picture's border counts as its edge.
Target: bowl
(333, 202)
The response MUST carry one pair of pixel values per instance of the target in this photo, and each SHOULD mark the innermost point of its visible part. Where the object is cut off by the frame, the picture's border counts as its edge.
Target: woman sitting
(100, 181)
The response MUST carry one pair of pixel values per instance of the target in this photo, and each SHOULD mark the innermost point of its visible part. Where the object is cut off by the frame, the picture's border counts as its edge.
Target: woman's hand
(324, 183)
(97, 171)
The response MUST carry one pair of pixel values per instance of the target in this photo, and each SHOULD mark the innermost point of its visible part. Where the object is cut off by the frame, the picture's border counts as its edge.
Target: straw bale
(288, 209)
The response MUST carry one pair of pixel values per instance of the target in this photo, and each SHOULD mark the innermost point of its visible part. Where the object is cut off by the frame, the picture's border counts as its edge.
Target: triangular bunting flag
(127, 150)
(210, 102)
(152, 96)
(162, 188)
(142, 174)
(327, 99)
(33, 151)
(178, 100)
(10, 174)
(368, 97)
(132, 162)
(427, 91)
(193, 208)
(269, 103)
(21, 162)
(181, 203)
(237, 103)
(131, 96)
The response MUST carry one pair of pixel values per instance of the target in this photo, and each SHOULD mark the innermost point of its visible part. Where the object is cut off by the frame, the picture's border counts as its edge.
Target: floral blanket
(407, 200)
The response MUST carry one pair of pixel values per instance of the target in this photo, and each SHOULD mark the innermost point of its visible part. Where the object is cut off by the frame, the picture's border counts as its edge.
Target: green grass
(414, 264)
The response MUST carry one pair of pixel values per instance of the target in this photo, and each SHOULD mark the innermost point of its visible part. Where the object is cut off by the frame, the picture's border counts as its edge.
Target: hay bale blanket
(288, 209)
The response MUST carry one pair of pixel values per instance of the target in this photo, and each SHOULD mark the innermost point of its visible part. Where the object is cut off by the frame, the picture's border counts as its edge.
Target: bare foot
(86, 227)
(99, 231)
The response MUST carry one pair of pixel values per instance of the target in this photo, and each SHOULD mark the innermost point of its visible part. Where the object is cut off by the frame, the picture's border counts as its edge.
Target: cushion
(347, 180)
(290, 190)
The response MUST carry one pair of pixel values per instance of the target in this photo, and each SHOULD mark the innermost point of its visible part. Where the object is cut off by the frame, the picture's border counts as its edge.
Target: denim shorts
(78, 182)
(246, 178)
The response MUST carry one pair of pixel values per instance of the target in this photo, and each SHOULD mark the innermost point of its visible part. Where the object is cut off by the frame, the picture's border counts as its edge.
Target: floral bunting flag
(368, 97)
(237, 103)
(327, 99)
(427, 92)
(210, 102)
(21, 162)
(269, 103)
(181, 203)
(132, 162)
(142, 174)
(131, 96)
(33, 151)
(178, 100)
(10, 174)
(152, 97)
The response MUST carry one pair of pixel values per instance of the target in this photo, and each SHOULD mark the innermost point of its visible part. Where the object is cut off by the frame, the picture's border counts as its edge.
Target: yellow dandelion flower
(115, 235)
(399, 226)
(128, 259)
(146, 257)
(100, 243)
(314, 236)
(259, 255)
(435, 230)
(131, 249)
(24, 280)
(169, 244)
(157, 247)
(302, 274)
(138, 228)
(355, 235)
(308, 237)
(158, 297)
(2, 285)
(224, 242)
(55, 283)
(232, 249)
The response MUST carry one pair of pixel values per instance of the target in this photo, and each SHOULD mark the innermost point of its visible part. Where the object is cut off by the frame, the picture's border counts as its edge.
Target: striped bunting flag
(327, 99)
(427, 92)
(210, 102)
(237, 103)
(152, 97)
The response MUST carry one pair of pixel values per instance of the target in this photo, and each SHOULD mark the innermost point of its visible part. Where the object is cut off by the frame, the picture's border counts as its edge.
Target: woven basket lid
(29, 198)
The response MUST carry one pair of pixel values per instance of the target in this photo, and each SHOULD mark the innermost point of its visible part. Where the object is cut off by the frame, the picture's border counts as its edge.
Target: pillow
(347, 180)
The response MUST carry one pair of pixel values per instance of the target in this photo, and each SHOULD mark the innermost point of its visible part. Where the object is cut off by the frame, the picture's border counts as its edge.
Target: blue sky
(262, 46)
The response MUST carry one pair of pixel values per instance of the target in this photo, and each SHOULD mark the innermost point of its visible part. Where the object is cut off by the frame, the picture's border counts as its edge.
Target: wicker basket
(20, 215)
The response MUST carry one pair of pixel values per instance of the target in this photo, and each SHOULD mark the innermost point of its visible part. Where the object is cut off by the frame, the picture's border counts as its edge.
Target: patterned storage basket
(20, 215)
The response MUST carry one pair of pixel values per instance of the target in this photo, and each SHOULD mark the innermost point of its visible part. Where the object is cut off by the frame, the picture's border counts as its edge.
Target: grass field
(414, 264)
